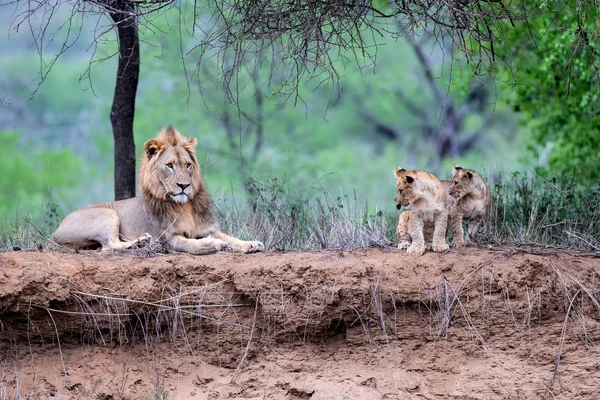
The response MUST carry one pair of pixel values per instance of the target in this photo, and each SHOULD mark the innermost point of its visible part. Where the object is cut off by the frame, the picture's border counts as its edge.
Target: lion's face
(175, 171)
(170, 170)
(405, 193)
(461, 183)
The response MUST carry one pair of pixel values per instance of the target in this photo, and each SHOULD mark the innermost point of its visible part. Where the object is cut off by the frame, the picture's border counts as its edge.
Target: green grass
(539, 211)
(525, 210)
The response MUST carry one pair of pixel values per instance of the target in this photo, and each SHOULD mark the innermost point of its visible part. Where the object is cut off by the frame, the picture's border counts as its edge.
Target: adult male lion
(473, 198)
(174, 207)
(429, 207)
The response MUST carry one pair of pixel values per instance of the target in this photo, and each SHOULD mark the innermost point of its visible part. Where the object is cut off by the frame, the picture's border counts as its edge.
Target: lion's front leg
(438, 244)
(402, 230)
(244, 246)
(415, 228)
(206, 245)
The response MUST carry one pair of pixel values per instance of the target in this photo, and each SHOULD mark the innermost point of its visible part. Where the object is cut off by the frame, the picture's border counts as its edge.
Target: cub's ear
(399, 171)
(410, 179)
(456, 169)
(152, 146)
(470, 175)
(190, 145)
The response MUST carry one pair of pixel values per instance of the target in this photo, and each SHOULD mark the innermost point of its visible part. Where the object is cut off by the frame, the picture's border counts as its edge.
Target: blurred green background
(57, 138)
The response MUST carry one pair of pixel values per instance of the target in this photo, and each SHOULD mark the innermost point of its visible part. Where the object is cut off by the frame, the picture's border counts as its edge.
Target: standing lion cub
(429, 208)
(473, 198)
(174, 207)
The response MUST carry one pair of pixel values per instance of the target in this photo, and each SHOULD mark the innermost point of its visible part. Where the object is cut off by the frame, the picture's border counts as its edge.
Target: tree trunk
(123, 106)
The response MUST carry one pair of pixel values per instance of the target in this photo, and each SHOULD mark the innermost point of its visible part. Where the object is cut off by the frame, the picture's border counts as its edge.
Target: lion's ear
(399, 171)
(190, 145)
(151, 147)
(409, 179)
(470, 175)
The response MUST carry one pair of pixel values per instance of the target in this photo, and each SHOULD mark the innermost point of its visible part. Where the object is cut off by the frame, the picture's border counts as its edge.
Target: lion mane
(174, 207)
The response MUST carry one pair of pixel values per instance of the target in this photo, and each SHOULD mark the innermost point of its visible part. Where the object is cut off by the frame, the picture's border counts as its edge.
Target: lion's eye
(188, 165)
(170, 165)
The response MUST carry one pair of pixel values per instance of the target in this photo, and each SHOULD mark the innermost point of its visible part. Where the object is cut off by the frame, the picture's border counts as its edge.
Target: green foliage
(555, 75)
(32, 177)
(317, 139)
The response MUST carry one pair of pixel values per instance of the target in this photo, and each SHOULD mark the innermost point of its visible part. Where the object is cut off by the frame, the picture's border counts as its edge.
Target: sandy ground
(506, 323)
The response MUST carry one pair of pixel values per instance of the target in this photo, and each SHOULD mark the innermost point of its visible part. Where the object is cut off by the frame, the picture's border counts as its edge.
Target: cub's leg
(90, 225)
(428, 229)
(245, 246)
(458, 233)
(206, 245)
(415, 228)
(402, 234)
(474, 228)
(438, 243)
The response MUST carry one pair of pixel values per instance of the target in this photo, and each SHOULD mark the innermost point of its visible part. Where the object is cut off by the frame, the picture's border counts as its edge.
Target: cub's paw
(440, 247)
(251, 246)
(459, 243)
(416, 250)
(403, 245)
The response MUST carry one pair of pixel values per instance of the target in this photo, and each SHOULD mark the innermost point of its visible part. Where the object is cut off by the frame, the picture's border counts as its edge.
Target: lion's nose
(183, 186)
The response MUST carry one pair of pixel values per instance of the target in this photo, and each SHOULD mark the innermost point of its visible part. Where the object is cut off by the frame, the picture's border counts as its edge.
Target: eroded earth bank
(503, 323)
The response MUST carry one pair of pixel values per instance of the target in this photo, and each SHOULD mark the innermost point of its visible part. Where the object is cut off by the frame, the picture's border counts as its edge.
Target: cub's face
(404, 188)
(461, 183)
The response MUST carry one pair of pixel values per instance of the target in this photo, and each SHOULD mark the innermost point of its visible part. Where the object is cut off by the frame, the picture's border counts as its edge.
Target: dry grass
(531, 211)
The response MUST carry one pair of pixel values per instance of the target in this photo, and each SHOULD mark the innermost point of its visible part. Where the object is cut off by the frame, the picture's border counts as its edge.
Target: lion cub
(473, 198)
(402, 234)
(429, 211)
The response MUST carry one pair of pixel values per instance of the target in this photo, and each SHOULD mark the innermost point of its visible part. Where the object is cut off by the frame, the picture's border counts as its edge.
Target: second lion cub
(473, 198)
(429, 206)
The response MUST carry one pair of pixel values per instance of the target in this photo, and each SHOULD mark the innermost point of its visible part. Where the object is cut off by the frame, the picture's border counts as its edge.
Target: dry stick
(470, 324)
(457, 293)
(359, 318)
(376, 297)
(239, 367)
(62, 361)
(158, 306)
(583, 240)
(562, 338)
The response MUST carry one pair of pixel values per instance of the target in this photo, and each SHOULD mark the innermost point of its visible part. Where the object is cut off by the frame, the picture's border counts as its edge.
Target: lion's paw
(144, 239)
(403, 245)
(416, 250)
(440, 247)
(252, 246)
(220, 245)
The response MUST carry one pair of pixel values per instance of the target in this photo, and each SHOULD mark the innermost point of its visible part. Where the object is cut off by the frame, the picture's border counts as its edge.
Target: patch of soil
(472, 323)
